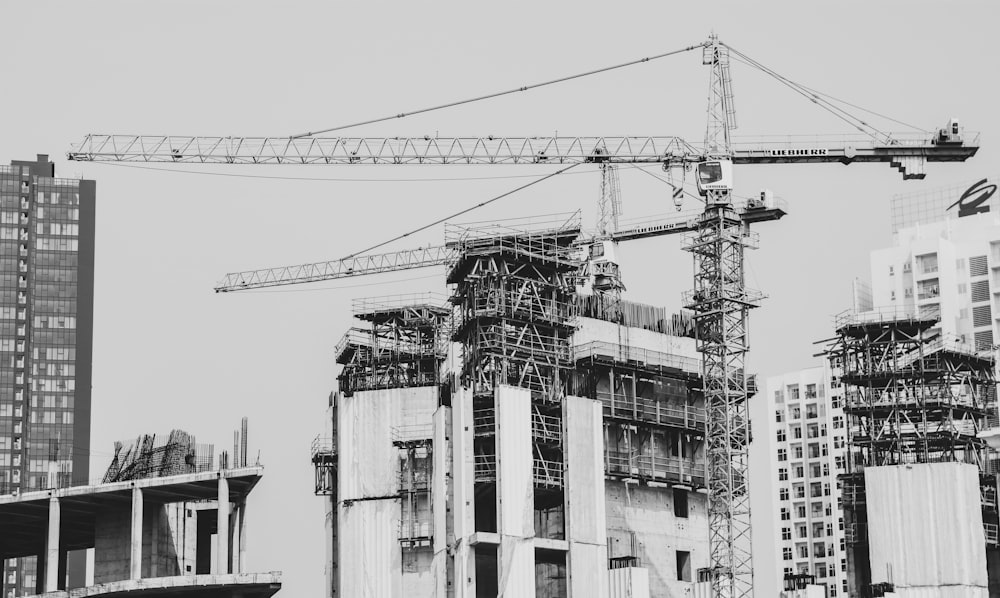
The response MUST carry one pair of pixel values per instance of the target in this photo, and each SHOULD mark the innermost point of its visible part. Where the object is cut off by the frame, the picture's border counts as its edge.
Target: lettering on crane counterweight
(799, 151)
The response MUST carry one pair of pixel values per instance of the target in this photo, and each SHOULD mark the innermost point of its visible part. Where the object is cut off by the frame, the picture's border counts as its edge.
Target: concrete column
(235, 545)
(222, 529)
(52, 548)
(135, 554)
(242, 538)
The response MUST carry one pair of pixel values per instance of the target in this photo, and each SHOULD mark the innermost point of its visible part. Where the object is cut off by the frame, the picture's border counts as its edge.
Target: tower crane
(717, 239)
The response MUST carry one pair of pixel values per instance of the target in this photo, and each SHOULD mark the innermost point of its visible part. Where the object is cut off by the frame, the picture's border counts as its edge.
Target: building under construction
(525, 440)
(919, 500)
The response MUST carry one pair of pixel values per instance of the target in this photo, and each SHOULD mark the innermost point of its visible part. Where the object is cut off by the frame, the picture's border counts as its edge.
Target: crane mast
(721, 305)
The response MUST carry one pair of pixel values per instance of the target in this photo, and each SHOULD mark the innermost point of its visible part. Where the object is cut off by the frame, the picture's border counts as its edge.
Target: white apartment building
(951, 268)
(799, 445)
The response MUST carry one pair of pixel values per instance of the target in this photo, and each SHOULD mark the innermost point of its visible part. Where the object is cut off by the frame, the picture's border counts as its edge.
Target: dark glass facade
(46, 337)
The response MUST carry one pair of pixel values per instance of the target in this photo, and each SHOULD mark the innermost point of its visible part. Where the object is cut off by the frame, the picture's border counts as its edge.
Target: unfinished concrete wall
(586, 528)
(441, 499)
(515, 493)
(112, 542)
(925, 529)
(169, 541)
(641, 523)
(463, 505)
(371, 560)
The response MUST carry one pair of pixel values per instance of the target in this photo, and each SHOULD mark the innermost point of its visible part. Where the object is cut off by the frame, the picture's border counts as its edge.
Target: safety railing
(411, 531)
(885, 314)
(653, 411)
(412, 432)
(547, 473)
(855, 533)
(992, 533)
(670, 469)
(323, 446)
(542, 225)
(620, 353)
(546, 428)
(485, 468)
(436, 302)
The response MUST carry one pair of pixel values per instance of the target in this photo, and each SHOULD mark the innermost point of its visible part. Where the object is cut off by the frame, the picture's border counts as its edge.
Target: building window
(980, 291)
(977, 265)
(799, 472)
(783, 494)
(984, 339)
(797, 432)
(796, 413)
(782, 455)
(786, 554)
(779, 397)
(780, 435)
(782, 474)
(793, 392)
(785, 514)
(891, 270)
(683, 565)
(680, 502)
(962, 288)
(786, 533)
(779, 416)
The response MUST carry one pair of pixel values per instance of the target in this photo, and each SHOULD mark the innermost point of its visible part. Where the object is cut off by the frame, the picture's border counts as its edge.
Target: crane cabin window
(709, 172)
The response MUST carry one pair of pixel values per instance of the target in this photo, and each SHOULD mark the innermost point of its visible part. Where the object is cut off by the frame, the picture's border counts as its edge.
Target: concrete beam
(222, 533)
(52, 548)
(135, 552)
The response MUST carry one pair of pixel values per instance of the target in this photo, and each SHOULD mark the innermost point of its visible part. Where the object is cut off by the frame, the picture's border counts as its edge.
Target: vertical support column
(586, 522)
(242, 539)
(515, 493)
(234, 537)
(222, 528)
(52, 547)
(463, 493)
(135, 553)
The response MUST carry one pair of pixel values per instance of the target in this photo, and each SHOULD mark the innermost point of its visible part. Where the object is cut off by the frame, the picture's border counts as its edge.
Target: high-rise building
(46, 335)
(799, 447)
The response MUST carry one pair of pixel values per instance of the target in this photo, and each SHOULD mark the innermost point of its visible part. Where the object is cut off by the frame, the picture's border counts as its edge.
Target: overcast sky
(170, 353)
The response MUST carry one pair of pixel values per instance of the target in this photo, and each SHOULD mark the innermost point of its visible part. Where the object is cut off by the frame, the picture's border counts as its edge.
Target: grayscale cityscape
(563, 300)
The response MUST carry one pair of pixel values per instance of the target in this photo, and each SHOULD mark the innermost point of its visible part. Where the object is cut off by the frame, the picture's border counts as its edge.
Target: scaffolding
(416, 524)
(513, 297)
(912, 396)
(654, 413)
(403, 343)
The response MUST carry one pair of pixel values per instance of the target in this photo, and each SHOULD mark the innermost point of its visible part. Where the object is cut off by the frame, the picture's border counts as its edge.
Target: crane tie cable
(500, 93)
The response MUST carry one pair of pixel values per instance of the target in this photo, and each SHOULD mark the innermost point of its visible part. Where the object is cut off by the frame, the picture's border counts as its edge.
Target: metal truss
(362, 265)
(721, 302)
(902, 151)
